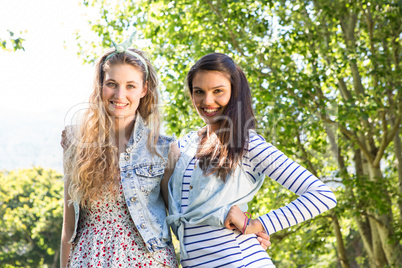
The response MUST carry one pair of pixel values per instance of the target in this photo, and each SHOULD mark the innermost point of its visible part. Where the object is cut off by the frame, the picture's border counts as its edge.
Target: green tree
(31, 213)
(326, 88)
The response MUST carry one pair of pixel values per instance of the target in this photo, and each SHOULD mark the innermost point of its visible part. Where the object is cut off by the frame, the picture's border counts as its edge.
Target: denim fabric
(141, 174)
(210, 199)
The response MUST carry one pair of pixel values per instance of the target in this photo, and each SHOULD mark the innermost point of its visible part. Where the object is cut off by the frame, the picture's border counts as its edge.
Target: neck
(212, 128)
(123, 128)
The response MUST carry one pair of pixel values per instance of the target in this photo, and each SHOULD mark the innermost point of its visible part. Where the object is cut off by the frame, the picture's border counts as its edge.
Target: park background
(326, 84)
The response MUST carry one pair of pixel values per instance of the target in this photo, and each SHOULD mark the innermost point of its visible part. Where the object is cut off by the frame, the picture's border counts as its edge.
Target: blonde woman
(114, 166)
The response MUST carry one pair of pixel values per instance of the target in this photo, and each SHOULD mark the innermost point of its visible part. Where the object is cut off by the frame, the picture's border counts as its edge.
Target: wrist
(255, 226)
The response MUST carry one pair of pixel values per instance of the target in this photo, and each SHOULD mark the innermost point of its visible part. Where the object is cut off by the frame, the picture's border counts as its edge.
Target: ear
(144, 90)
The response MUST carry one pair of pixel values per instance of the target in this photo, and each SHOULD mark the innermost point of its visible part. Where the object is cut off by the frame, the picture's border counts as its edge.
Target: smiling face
(211, 95)
(122, 89)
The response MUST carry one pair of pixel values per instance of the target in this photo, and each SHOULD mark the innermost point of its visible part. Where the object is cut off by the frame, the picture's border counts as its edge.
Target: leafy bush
(31, 213)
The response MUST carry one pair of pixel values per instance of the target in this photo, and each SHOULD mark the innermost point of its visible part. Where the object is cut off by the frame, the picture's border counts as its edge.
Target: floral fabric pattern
(108, 237)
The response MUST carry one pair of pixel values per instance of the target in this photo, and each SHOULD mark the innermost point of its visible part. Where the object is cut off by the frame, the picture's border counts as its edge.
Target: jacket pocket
(149, 176)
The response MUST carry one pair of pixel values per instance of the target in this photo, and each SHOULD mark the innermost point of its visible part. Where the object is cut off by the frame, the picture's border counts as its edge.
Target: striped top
(210, 246)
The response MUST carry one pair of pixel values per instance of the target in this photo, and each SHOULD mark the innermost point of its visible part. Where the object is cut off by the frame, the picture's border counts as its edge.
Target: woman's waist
(194, 230)
(98, 222)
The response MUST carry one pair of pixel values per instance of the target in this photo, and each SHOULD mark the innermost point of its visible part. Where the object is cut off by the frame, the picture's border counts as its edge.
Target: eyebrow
(220, 86)
(112, 80)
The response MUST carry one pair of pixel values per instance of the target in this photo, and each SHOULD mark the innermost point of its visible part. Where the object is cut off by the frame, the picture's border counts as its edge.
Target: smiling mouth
(211, 112)
(118, 104)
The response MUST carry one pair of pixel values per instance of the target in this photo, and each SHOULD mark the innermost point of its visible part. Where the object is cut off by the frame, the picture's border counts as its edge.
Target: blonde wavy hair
(91, 160)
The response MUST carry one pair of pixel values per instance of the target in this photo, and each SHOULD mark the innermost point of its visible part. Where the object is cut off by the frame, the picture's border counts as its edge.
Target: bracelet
(246, 221)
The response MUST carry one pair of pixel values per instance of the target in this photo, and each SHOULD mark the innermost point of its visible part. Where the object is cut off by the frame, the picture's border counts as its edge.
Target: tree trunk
(365, 233)
(398, 155)
(339, 242)
(337, 228)
(56, 260)
(383, 223)
(364, 226)
(378, 251)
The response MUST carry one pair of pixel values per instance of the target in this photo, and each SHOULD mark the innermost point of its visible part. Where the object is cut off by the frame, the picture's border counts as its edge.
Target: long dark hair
(222, 151)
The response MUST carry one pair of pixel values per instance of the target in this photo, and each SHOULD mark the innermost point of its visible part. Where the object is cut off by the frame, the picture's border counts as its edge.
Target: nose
(208, 100)
(119, 93)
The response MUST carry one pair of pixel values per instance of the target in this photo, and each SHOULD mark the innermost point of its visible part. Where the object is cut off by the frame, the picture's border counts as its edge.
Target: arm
(68, 227)
(68, 214)
(173, 156)
(236, 219)
(314, 196)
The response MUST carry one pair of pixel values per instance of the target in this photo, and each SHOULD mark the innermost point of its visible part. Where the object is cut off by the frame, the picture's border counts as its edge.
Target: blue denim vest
(141, 174)
(210, 199)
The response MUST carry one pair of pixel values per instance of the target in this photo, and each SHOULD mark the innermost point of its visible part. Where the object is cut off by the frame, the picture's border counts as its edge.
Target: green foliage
(31, 213)
(326, 85)
(13, 41)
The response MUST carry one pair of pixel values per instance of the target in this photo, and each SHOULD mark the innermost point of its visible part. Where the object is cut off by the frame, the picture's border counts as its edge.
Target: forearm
(68, 226)
(64, 252)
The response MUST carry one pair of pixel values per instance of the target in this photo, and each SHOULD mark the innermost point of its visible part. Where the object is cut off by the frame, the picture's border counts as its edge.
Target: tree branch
(351, 136)
(305, 155)
(386, 139)
(379, 222)
(348, 29)
(343, 89)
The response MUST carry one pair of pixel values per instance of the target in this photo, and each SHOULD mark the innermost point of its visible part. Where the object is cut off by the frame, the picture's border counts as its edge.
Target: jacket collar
(138, 132)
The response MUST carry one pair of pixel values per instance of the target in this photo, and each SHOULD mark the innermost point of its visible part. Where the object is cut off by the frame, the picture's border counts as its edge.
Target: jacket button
(127, 157)
(191, 187)
(132, 199)
(128, 150)
(143, 226)
(150, 169)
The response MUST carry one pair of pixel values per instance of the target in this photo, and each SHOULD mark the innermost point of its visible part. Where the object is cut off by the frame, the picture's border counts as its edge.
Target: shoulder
(254, 139)
(165, 142)
(184, 140)
(188, 135)
(253, 135)
(167, 139)
(67, 136)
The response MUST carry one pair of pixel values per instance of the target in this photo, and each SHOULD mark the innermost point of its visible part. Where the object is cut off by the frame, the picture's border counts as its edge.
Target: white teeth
(211, 110)
(119, 104)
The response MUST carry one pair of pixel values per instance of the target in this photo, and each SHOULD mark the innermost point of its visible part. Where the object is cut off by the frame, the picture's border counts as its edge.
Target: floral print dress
(108, 237)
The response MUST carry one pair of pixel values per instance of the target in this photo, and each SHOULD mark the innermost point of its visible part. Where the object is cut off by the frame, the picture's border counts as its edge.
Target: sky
(43, 86)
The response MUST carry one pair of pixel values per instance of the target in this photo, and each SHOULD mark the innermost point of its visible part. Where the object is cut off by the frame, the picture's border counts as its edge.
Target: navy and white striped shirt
(210, 246)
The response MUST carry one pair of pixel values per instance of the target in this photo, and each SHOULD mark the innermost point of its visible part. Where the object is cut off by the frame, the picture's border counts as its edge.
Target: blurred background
(326, 83)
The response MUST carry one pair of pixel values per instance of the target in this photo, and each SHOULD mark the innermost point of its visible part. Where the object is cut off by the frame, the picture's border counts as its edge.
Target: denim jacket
(141, 173)
(210, 198)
